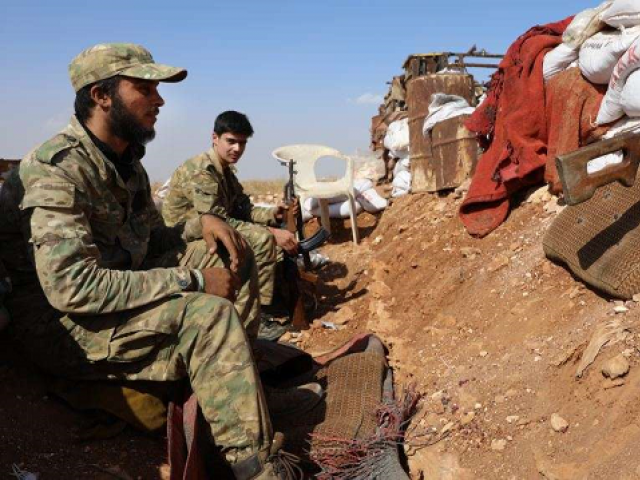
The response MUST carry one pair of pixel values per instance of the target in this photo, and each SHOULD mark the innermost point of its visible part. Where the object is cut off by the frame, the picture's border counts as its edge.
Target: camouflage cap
(110, 59)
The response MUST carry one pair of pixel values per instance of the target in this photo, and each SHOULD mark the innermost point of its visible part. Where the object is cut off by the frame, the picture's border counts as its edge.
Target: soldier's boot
(271, 464)
(293, 401)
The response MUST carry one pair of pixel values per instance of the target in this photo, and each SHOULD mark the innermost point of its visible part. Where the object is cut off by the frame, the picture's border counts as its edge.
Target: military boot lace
(286, 465)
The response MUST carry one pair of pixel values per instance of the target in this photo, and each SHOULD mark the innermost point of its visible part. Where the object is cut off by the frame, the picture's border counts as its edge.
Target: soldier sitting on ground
(207, 183)
(102, 290)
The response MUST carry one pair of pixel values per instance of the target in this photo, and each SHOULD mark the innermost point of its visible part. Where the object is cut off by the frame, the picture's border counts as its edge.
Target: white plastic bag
(558, 60)
(444, 107)
(611, 107)
(397, 137)
(622, 126)
(630, 97)
(585, 24)
(622, 13)
(600, 53)
(401, 184)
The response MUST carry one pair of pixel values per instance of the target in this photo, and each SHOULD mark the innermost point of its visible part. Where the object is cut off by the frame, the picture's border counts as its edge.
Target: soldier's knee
(208, 312)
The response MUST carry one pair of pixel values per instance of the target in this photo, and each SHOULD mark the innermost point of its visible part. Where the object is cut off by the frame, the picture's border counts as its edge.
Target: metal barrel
(419, 92)
(455, 153)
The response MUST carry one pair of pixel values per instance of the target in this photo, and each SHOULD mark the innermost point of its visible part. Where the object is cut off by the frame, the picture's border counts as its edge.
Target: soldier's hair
(84, 104)
(232, 122)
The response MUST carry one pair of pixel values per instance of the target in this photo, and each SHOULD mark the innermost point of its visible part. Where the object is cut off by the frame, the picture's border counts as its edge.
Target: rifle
(581, 176)
(295, 224)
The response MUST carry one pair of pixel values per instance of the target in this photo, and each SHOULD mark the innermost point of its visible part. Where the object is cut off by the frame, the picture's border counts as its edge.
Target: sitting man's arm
(68, 262)
(245, 210)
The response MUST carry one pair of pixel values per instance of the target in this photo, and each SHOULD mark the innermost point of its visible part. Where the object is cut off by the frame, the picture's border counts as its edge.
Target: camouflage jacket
(201, 185)
(68, 220)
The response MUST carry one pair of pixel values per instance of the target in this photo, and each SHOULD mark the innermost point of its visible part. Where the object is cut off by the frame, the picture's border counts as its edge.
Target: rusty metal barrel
(419, 92)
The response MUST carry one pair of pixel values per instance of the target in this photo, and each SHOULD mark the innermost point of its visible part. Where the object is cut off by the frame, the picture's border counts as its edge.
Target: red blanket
(511, 125)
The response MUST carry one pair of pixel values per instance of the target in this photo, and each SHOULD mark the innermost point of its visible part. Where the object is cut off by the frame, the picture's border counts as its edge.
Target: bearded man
(102, 290)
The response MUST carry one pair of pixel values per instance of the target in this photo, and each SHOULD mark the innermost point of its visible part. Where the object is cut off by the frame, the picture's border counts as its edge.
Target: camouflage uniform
(202, 185)
(83, 249)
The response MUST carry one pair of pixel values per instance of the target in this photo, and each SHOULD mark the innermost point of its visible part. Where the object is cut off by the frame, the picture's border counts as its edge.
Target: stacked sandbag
(401, 178)
(600, 53)
(612, 107)
(397, 141)
(367, 198)
(623, 90)
(583, 26)
(397, 138)
(558, 60)
(626, 125)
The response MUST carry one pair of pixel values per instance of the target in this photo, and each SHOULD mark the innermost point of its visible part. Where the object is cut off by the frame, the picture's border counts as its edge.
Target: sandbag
(600, 53)
(558, 60)
(337, 210)
(444, 107)
(362, 185)
(397, 137)
(400, 154)
(403, 165)
(611, 108)
(630, 97)
(367, 196)
(401, 184)
(584, 25)
(371, 201)
(622, 13)
(621, 126)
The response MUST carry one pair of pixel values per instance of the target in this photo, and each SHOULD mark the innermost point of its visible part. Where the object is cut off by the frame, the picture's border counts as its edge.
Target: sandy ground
(488, 330)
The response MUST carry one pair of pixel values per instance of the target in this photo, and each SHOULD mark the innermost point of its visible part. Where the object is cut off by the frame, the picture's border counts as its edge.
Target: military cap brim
(155, 72)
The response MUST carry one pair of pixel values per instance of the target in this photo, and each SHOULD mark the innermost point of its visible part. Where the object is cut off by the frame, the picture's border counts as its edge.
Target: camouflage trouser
(196, 255)
(267, 255)
(192, 335)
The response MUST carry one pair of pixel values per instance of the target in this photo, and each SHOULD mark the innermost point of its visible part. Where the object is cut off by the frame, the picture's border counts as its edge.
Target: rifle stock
(581, 177)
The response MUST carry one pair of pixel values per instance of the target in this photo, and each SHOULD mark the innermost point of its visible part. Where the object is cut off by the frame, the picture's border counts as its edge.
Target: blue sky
(301, 70)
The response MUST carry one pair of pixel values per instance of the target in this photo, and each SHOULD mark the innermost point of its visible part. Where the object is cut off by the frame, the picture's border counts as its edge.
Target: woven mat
(353, 394)
(599, 240)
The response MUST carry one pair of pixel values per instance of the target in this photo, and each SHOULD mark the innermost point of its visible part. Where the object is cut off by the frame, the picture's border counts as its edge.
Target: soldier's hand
(221, 282)
(283, 208)
(215, 230)
(285, 240)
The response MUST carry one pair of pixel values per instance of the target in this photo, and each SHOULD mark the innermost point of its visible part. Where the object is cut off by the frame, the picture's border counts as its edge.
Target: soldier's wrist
(212, 214)
(198, 280)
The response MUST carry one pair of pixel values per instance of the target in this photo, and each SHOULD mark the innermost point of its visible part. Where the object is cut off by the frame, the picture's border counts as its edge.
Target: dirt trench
(489, 331)
(492, 333)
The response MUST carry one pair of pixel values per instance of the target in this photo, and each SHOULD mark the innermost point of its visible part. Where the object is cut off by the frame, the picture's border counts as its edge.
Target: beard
(124, 125)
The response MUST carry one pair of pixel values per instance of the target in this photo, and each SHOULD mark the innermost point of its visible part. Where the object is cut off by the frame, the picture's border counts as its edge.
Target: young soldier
(207, 183)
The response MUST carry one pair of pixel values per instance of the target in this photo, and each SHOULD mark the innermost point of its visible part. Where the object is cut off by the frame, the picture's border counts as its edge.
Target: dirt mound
(493, 335)
(491, 332)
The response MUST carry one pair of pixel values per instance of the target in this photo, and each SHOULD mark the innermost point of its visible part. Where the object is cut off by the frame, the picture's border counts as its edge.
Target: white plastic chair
(308, 186)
